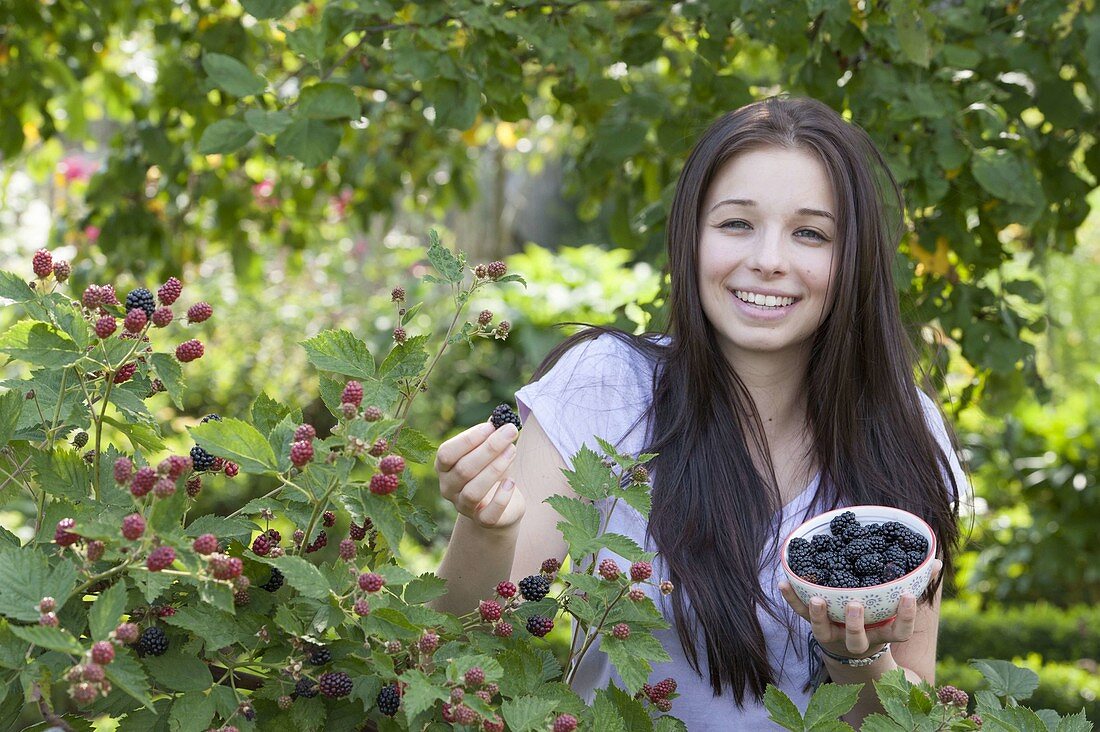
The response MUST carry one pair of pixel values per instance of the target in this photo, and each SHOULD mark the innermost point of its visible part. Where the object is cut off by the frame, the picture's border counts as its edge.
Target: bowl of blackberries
(870, 554)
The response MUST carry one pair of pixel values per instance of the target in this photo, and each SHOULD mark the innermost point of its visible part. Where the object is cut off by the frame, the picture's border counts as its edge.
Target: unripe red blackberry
(62, 535)
(663, 689)
(485, 317)
(608, 569)
(162, 316)
(371, 582)
(42, 263)
(503, 629)
(551, 566)
(952, 696)
(397, 294)
(506, 589)
(976, 719)
(353, 393)
(107, 292)
(189, 351)
(194, 486)
(319, 543)
(379, 448)
(126, 633)
(393, 647)
(133, 526)
(241, 597)
(103, 652)
(372, 414)
(48, 620)
(92, 297)
(205, 544)
(347, 550)
(304, 432)
(502, 330)
(47, 604)
(169, 291)
(199, 312)
(490, 610)
(474, 677)
(83, 693)
(231, 469)
(93, 672)
(125, 373)
(164, 487)
(261, 545)
(95, 549)
(225, 568)
(61, 270)
(383, 485)
(135, 320)
(621, 631)
(428, 642)
(496, 724)
(298, 536)
(637, 594)
(362, 607)
(641, 571)
(105, 326)
(392, 464)
(664, 705)
(389, 700)
(464, 715)
(481, 272)
(565, 723)
(534, 587)
(496, 270)
(164, 611)
(399, 335)
(301, 452)
(160, 558)
(357, 532)
(539, 626)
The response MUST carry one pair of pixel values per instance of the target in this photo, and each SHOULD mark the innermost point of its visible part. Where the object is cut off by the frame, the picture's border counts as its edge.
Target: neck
(776, 383)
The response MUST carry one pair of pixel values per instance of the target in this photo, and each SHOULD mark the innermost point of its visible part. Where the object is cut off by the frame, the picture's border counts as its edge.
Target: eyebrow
(749, 202)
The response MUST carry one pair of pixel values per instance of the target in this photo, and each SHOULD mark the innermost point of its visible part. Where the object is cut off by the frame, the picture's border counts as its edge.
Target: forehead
(773, 177)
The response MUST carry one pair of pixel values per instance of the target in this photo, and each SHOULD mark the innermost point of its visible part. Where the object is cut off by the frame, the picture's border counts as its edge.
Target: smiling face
(768, 252)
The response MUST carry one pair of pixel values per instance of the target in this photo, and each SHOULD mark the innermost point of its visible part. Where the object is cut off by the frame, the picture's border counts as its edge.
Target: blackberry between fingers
(503, 414)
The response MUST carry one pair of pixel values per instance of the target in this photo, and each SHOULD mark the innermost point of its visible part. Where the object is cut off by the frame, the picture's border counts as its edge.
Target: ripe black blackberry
(840, 523)
(894, 554)
(389, 699)
(80, 439)
(868, 565)
(844, 579)
(141, 298)
(320, 656)
(892, 571)
(539, 626)
(911, 541)
(274, 582)
(821, 543)
(153, 642)
(856, 549)
(334, 684)
(535, 587)
(201, 459)
(209, 417)
(502, 414)
(891, 530)
(798, 547)
(913, 560)
(305, 688)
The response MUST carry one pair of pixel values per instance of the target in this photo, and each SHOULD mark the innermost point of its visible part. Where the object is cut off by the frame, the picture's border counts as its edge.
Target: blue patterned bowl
(880, 602)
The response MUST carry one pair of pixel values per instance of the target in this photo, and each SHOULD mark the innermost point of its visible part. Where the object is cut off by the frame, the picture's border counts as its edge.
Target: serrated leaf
(580, 522)
(15, 288)
(39, 344)
(444, 261)
(217, 628)
(223, 527)
(328, 100)
(301, 575)
(131, 405)
(339, 351)
(881, 723)
(830, 702)
(26, 576)
(633, 714)
(170, 373)
(308, 714)
(191, 712)
(232, 75)
(605, 715)
(892, 689)
(310, 141)
(669, 724)
(1004, 175)
(1022, 719)
(382, 511)
(420, 693)
(638, 498)
(179, 672)
(589, 478)
(267, 413)
(166, 513)
(406, 360)
(414, 446)
(143, 437)
(236, 440)
(525, 713)
(1075, 723)
(63, 473)
(1006, 679)
(151, 584)
(425, 588)
(632, 657)
(55, 639)
(11, 409)
(268, 123)
(224, 136)
(125, 673)
(268, 9)
(107, 611)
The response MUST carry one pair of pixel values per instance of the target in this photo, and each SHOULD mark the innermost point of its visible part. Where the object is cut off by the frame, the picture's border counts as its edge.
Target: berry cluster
(659, 694)
(853, 555)
(504, 414)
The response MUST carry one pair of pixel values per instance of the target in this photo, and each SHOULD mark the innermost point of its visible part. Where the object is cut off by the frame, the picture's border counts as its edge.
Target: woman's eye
(811, 233)
(734, 224)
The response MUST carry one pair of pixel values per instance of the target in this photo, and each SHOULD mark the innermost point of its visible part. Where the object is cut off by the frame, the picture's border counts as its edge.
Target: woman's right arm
(502, 531)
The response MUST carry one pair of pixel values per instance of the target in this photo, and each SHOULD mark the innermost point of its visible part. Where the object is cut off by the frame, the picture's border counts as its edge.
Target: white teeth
(768, 301)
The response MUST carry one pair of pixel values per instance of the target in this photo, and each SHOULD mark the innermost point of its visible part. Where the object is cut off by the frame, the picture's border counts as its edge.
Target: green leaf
(605, 714)
(306, 41)
(633, 714)
(669, 724)
(382, 510)
(420, 694)
(179, 672)
(218, 629)
(308, 714)
(1005, 176)
(425, 588)
(892, 689)
(268, 9)
(62, 472)
(142, 437)
(580, 525)
(1075, 723)
(267, 413)
(165, 516)
(638, 498)
(223, 527)
(225, 136)
(301, 575)
(126, 674)
(415, 447)
(328, 101)
(1023, 719)
(13, 287)
(170, 373)
(882, 723)
(341, 352)
(444, 261)
(191, 712)
(589, 478)
(632, 656)
(782, 710)
(107, 611)
(55, 639)
(26, 577)
(236, 440)
(829, 703)
(268, 123)
(406, 360)
(39, 344)
(131, 405)
(913, 31)
(232, 75)
(526, 713)
(311, 141)
(1006, 679)
(11, 409)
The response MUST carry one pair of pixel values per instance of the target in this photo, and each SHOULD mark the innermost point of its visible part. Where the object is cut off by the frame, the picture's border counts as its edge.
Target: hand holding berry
(472, 467)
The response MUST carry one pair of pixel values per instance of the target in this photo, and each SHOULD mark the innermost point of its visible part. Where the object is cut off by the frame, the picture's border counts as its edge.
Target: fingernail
(507, 485)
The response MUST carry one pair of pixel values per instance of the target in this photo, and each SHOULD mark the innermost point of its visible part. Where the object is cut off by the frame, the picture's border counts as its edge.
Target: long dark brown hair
(870, 440)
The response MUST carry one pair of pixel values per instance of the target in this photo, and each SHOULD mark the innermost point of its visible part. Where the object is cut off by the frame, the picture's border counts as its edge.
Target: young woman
(783, 387)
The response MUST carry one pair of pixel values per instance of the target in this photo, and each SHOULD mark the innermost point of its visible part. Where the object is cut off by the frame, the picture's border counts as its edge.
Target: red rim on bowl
(794, 534)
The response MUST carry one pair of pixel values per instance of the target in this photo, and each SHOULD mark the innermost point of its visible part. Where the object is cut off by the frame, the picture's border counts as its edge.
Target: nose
(770, 256)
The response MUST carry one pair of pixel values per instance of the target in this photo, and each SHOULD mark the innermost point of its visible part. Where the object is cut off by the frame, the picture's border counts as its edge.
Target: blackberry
(895, 554)
(817, 575)
(305, 688)
(389, 699)
(798, 547)
(539, 625)
(42, 263)
(201, 459)
(503, 414)
(169, 291)
(854, 533)
(274, 582)
(356, 532)
(821, 543)
(911, 541)
(334, 684)
(199, 312)
(869, 565)
(892, 572)
(141, 298)
(496, 270)
(892, 530)
(210, 417)
(802, 565)
(320, 656)
(856, 549)
(913, 560)
(534, 588)
(840, 523)
(842, 578)
(189, 350)
(153, 642)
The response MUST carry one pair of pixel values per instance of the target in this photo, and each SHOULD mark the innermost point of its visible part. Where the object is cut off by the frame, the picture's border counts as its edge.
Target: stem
(269, 494)
(316, 514)
(591, 637)
(15, 477)
(57, 410)
(109, 376)
(47, 714)
(101, 576)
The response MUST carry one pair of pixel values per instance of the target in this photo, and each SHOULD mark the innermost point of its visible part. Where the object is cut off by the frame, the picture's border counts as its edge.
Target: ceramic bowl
(880, 602)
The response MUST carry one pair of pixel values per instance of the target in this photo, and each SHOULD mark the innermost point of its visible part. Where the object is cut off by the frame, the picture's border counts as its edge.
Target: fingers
(794, 600)
(491, 513)
(855, 635)
(906, 619)
(474, 473)
(456, 448)
(820, 623)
